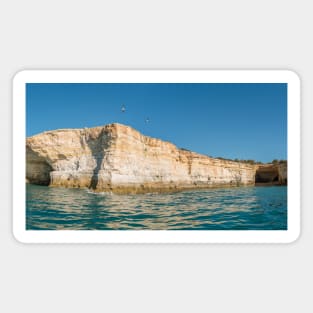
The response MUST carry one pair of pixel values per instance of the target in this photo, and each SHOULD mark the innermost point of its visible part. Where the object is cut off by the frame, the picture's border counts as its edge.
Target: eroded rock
(118, 158)
(271, 174)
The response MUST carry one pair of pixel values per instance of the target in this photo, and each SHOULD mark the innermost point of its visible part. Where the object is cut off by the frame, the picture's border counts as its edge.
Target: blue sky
(244, 121)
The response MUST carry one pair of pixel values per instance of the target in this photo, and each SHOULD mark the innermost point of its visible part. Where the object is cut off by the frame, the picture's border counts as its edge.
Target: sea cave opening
(38, 172)
(266, 176)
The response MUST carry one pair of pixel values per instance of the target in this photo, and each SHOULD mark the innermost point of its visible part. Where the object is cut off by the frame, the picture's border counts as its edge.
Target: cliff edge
(118, 158)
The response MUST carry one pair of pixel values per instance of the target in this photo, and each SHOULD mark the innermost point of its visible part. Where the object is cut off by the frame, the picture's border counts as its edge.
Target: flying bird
(147, 120)
(123, 109)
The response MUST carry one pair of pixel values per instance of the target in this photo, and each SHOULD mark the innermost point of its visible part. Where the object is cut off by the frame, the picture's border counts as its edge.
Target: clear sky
(244, 121)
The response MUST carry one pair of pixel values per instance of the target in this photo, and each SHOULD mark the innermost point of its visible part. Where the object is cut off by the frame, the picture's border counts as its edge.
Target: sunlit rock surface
(118, 158)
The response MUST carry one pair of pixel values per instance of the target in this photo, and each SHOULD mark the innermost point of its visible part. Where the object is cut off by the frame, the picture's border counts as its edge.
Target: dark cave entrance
(39, 173)
(266, 176)
(37, 169)
(275, 179)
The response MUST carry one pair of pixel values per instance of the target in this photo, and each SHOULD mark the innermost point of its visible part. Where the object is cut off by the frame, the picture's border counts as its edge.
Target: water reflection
(228, 208)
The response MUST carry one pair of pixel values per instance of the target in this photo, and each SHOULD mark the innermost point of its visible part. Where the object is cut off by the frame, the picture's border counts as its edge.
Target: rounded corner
(295, 237)
(18, 237)
(294, 76)
(19, 76)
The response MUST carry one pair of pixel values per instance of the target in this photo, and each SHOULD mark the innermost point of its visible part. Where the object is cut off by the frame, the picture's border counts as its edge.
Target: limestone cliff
(118, 158)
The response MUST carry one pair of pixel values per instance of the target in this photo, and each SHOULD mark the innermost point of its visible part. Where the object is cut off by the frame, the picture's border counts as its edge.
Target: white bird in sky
(123, 109)
(147, 120)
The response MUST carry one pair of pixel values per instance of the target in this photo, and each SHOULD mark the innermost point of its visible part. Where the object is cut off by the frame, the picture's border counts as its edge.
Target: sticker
(156, 156)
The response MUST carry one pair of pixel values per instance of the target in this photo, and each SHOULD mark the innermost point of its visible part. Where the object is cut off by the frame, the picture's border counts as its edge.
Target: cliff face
(118, 158)
(282, 173)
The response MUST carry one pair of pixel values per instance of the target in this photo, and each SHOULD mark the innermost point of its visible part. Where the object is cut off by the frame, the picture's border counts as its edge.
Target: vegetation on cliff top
(275, 161)
(252, 162)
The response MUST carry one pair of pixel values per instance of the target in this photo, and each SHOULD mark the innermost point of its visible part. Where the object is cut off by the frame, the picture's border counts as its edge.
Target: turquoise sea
(245, 208)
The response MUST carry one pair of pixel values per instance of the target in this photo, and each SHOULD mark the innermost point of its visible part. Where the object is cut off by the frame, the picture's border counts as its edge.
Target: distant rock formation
(118, 158)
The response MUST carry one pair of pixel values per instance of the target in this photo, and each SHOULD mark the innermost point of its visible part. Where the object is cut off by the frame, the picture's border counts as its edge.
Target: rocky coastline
(119, 159)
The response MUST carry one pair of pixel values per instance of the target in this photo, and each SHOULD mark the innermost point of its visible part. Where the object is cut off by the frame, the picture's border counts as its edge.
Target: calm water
(250, 208)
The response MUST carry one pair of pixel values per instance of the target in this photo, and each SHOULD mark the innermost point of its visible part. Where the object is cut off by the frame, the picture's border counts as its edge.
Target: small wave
(102, 193)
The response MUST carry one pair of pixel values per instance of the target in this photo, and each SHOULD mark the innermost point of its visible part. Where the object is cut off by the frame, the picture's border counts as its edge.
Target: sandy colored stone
(118, 158)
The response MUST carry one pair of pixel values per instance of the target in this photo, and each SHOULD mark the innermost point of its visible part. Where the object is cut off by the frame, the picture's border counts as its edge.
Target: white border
(156, 76)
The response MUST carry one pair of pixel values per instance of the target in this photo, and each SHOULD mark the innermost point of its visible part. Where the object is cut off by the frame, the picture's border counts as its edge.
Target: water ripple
(250, 208)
